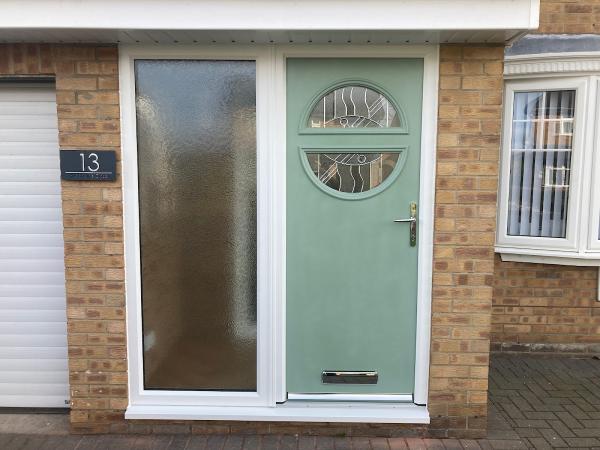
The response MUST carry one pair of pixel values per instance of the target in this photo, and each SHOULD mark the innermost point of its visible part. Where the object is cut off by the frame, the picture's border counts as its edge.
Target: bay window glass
(540, 163)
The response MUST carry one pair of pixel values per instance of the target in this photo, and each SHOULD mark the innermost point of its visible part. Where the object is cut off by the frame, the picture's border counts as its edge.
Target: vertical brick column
(88, 118)
(88, 114)
(470, 104)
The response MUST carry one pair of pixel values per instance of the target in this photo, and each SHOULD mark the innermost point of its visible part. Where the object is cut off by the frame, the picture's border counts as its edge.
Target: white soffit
(266, 21)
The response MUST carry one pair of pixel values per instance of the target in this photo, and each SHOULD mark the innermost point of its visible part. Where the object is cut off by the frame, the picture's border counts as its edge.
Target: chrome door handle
(413, 223)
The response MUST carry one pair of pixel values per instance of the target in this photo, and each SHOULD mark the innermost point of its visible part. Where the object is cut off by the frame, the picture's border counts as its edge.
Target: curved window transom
(353, 107)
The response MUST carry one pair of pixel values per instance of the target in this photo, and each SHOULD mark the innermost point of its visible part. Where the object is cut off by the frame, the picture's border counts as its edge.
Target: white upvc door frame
(430, 57)
(266, 403)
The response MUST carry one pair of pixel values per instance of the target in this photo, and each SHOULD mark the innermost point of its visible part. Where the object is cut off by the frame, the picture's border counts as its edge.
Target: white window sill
(291, 411)
(549, 257)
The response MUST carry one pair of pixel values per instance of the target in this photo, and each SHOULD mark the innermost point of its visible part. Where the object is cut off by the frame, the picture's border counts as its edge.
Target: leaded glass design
(353, 107)
(540, 172)
(352, 172)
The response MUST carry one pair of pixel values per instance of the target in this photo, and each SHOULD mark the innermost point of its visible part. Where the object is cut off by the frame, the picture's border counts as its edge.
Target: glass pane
(353, 107)
(540, 172)
(196, 126)
(352, 172)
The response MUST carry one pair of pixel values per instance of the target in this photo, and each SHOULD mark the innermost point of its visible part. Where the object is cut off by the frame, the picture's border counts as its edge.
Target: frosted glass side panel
(196, 132)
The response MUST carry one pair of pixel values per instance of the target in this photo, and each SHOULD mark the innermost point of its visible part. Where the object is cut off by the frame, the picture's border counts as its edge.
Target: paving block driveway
(535, 402)
(546, 402)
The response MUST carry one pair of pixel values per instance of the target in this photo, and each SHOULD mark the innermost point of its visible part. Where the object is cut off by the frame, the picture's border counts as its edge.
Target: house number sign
(88, 165)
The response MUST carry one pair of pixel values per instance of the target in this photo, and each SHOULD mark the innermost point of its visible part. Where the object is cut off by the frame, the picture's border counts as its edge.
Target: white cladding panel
(33, 329)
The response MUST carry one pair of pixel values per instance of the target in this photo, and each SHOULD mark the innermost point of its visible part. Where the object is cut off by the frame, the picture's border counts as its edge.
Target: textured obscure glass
(353, 107)
(352, 172)
(196, 130)
(540, 170)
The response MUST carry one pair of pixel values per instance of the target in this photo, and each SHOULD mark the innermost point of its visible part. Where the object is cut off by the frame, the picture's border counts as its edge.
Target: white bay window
(549, 193)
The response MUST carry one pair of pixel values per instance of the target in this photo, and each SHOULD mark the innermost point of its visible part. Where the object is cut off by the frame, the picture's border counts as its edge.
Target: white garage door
(33, 331)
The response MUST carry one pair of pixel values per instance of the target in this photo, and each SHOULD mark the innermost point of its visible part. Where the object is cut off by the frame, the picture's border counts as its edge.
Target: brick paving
(534, 402)
(546, 402)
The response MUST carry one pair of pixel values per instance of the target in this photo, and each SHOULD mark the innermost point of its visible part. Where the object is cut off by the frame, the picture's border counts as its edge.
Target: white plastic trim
(292, 411)
(551, 64)
(558, 259)
(270, 15)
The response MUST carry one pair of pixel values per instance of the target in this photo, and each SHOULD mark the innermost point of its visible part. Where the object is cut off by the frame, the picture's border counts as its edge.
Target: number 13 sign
(93, 165)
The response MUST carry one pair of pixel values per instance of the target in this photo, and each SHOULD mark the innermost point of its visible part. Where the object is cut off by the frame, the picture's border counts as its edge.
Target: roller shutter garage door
(33, 331)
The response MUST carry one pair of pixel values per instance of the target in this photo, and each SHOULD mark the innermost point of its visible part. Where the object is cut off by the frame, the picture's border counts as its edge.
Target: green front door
(353, 152)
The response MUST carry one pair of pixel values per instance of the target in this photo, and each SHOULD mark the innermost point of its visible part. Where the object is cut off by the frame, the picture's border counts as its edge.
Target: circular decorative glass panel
(352, 172)
(353, 107)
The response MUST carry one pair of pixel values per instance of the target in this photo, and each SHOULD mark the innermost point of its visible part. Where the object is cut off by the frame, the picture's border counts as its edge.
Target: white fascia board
(270, 14)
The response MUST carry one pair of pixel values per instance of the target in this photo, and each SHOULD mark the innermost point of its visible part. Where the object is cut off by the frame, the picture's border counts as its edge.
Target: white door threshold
(295, 411)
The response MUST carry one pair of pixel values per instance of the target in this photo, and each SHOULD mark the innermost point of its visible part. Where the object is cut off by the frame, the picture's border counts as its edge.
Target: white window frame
(594, 222)
(138, 395)
(570, 242)
(546, 72)
(271, 187)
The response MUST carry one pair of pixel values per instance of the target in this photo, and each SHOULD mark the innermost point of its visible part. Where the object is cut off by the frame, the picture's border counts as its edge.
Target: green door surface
(353, 152)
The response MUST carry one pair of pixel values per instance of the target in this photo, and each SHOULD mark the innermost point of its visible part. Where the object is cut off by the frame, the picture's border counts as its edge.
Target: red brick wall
(538, 306)
(88, 117)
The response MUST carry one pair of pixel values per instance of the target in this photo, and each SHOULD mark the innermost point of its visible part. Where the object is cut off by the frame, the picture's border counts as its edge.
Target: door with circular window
(353, 152)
